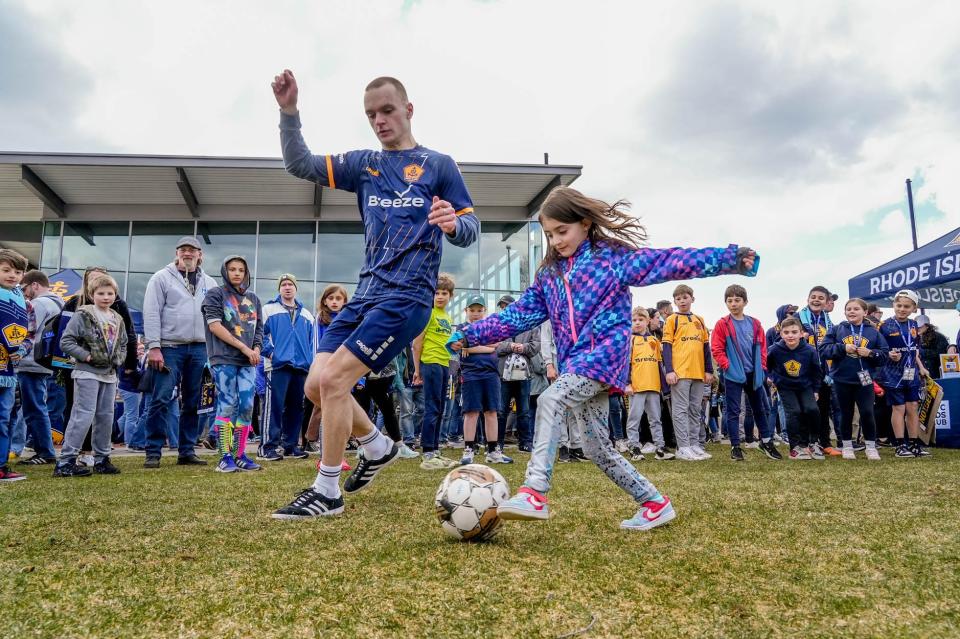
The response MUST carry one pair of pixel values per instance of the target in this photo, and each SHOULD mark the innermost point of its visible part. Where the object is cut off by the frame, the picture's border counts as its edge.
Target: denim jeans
(411, 413)
(171, 430)
(18, 432)
(452, 419)
(435, 377)
(33, 396)
(56, 405)
(8, 396)
(519, 391)
(286, 408)
(732, 395)
(133, 435)
(615, 418)
(185, 365)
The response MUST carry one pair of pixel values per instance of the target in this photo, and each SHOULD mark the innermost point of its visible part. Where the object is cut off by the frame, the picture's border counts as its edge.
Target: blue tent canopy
(933, 271)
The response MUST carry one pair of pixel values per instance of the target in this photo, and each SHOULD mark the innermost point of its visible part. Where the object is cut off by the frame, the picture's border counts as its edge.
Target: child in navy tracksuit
(583, 288)
(794, 368)
(856, 350)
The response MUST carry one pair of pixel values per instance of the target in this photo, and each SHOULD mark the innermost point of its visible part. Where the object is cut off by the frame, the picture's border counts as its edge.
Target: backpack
(46, 345)
(515, 368)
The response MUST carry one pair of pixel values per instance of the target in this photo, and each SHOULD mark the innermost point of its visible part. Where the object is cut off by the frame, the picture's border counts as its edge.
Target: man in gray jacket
(175, 339)
(32, 376)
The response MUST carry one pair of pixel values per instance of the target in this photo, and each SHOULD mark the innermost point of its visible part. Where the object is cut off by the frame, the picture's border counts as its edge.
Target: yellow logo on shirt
(412, 173)
(15, 334)
(792, 367)
(4, 359)
(373, 172)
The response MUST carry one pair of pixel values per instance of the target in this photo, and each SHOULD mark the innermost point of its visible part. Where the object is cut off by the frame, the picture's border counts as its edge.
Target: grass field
(761, 549)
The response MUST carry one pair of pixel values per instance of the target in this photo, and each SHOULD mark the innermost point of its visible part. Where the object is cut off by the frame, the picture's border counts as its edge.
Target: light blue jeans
(133, 434)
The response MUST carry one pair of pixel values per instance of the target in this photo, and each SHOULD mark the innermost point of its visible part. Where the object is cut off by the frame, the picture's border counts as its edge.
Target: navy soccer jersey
(478, 365)
(901, 337)
(395, 191)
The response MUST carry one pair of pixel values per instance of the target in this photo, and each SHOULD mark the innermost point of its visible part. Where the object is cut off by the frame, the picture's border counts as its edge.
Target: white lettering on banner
(395, 203)
(943, 415)
(874, 285)
(948, 265)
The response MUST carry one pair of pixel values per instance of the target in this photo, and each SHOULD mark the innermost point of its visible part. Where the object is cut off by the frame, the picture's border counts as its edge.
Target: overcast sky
(789, 127)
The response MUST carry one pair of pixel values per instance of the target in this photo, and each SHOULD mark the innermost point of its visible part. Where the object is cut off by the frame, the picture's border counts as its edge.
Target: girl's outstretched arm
(527, 312)
(651, 266)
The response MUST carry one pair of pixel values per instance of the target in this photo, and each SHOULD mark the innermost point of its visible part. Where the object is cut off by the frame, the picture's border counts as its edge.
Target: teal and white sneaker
(227, 465)
(651, 514)
(407, 453)
(467, 456)
(527, 504)
(497, 457)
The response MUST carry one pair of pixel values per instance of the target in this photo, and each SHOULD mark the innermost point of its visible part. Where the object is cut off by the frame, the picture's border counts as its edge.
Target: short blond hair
(102, 281)
(681, 290)
(640, 311)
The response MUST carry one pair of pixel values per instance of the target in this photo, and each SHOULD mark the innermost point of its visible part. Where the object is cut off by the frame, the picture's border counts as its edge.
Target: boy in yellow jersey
(687, 361)
(646, 384)
(431, 367)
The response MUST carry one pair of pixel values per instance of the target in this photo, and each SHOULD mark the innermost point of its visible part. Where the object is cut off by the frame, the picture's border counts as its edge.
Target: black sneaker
(105, 467)
(736, 453)
(564, 455)
(919, 451)
(151, 462)
(296, 453)
(70, 469)
(904, 451)
(770, 451)
(210, 442)
(367, 469)
(663, 454)
(308, 504)
(353, 445)
(576, 454)
(885, 443)
(524, 448)
(636, 454)
(37, 460)
(859, 446)
(190, 460)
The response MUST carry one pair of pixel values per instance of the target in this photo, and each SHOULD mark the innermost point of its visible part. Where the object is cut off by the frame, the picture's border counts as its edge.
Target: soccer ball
(467, 502)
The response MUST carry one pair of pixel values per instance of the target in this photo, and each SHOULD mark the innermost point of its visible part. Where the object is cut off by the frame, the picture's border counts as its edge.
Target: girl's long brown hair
(83, 295)
(611, 223)
(322, 311)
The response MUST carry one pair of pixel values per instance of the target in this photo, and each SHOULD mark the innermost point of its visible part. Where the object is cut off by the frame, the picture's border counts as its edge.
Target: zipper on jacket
(566, 286)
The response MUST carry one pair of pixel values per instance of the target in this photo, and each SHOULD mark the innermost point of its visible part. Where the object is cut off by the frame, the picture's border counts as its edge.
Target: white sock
(848, 443)
(871, 443)
(327, 482)
(375, 445)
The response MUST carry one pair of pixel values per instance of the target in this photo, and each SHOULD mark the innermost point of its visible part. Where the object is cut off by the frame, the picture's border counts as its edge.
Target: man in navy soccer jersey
(410, 198)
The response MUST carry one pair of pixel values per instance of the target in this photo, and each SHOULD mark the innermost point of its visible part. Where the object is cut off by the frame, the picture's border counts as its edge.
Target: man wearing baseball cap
(175, 338)
(288, 344)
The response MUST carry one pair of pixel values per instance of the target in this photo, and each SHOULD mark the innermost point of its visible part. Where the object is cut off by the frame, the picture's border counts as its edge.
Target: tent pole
(913, 220)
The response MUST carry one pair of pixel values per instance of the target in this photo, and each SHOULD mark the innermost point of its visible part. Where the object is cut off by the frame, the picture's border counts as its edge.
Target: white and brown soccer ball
(467, 502)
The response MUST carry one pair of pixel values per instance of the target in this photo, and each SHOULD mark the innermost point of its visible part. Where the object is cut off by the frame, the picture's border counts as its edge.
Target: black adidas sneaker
(308, 504)
(367, 469)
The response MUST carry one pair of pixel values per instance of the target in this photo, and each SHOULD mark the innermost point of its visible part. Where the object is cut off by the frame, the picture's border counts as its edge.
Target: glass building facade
(318, 253)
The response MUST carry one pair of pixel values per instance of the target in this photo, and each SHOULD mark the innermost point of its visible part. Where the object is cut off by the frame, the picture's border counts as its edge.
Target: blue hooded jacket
(288, 341)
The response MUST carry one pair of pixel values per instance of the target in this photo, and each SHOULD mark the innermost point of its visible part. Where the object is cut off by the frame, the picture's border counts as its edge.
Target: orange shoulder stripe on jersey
(464, 211)
(332, 184)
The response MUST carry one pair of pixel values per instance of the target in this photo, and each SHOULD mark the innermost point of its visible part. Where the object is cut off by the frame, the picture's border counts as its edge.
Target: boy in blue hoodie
(739, 345)
(234, 323)
(794, 368)
(288, 330)
(13, 319)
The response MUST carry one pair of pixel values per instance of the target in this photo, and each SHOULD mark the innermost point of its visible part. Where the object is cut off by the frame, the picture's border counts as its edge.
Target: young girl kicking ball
(583, 288)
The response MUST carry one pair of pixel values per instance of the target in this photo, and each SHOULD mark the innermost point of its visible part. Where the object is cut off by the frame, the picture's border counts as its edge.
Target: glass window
(462, 263)
(24, 238)
(105, 244)
(504, 255)
(220, 239)
(341, 252)
(136, 286)
(286, 247)
(458, 304)
(152, 245)
(50, 259)
(537, 247)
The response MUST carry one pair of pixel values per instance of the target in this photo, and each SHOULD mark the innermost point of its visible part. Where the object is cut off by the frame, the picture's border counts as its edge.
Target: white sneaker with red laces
(525, 505)
(651, 514)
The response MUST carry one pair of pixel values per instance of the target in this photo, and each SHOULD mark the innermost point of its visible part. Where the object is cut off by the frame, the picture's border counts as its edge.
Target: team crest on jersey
(792, 367)
(373, 172)
(412, 173)
(15, 334)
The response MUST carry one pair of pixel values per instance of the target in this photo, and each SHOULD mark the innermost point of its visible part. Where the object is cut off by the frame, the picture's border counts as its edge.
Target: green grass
(761, 549)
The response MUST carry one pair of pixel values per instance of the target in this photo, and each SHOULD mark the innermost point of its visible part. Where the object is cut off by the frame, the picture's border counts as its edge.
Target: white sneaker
(778, 440)
(686, 454)
(446, 460)
(872, 454)
(407, 453)
(433, 462)
(847, 453)
(621, 446)
(753, 444)
(648, 448)
(701, 452)
(467, 456)
(86, 460)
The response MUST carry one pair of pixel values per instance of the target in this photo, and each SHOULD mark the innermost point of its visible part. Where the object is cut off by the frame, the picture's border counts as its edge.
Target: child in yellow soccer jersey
(687, 362)
(646, 383)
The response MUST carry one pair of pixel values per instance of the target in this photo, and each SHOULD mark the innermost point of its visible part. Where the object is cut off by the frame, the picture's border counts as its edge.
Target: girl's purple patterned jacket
(587, 299)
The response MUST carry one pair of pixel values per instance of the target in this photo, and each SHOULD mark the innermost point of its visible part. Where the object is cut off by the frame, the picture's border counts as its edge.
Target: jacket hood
(782, 312)
(239, 290)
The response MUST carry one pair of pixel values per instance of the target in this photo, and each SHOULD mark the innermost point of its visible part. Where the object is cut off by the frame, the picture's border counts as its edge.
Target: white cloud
(753, 122)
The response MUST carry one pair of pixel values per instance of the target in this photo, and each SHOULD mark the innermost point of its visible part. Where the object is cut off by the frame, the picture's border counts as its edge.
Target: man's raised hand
(285, 91)
(443, 215)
